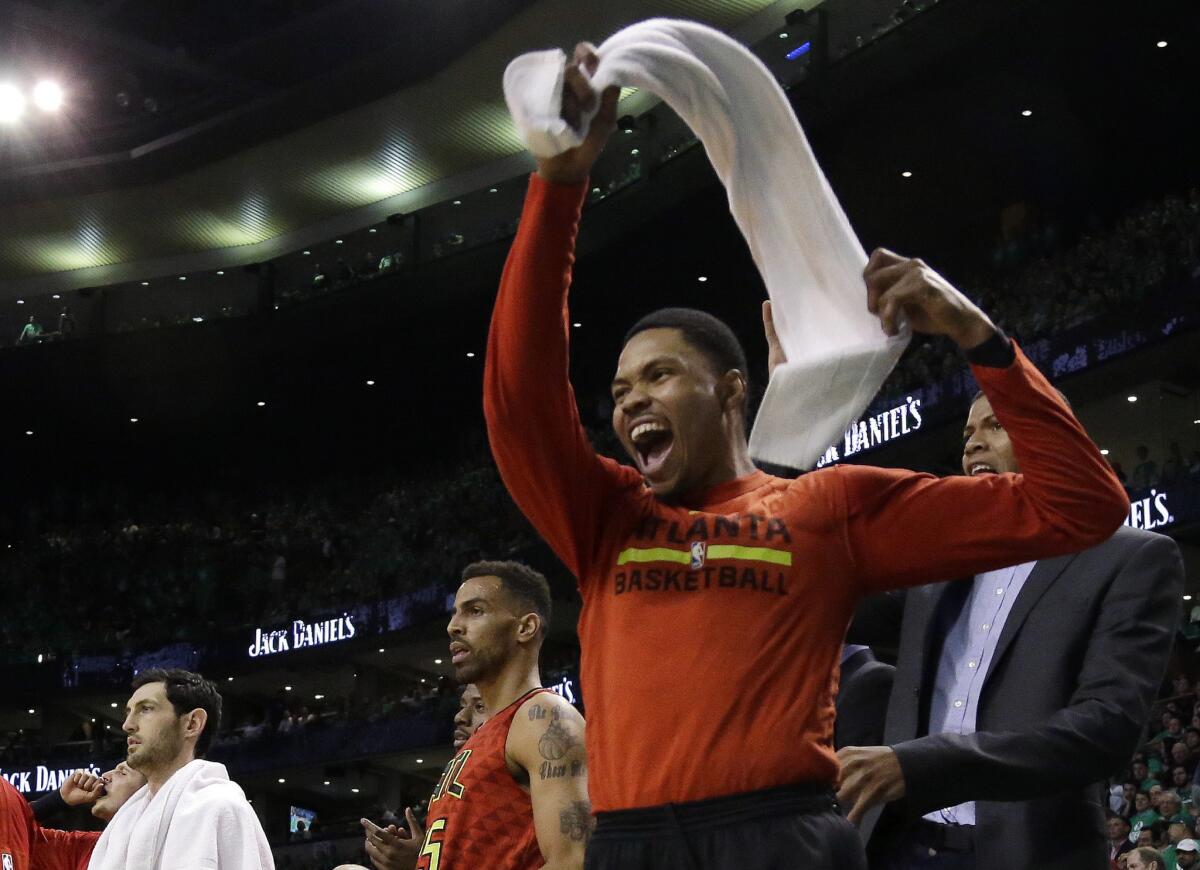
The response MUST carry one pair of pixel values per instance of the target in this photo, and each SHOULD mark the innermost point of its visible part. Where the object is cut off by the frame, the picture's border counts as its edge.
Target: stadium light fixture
(56, 296)
(419, 760)
(318, 697)
(48, 96)
(1187, 598)
(372, 230)
(470, 355)
(1025, 113)
(577, 324)
(1131, 398)
(27, 432)
(282, 780)
(287, 688)
(354, 790)
(906, 174)
(370, 383)
(327, 782)
(702, 279)
(458, 202)
(1104, 451)
(133, 419)
(493, 190)
(20, 301)
(12, 103)
(437, 661)
(145, 283)
(1162, 43)
(635, 152)
(32, 711)
(229, 679)
(381, 649)
(113, 705)
(262, 404)
(220, 271)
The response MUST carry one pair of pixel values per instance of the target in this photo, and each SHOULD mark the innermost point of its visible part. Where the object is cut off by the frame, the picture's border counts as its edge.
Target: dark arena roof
(261, 241)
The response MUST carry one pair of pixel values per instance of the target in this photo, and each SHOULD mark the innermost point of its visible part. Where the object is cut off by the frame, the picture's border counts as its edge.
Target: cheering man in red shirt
(722, 593)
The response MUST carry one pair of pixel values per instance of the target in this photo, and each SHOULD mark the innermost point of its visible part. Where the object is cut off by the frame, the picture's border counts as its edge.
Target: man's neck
(156, 779)
(519, 677)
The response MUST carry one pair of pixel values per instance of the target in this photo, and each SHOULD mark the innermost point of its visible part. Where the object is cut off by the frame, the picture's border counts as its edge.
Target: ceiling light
(1104, 452)
(12, 103)
(419, 760)
(492, 190)
(1025, 113)
(577, 324)
(113, 704)
(306, 253)
(422, 679)
(145, 283)
(702, 278)
(381, 649)
(635, 152)
(40, 656)
(30, 432)
(327, 782)
(261, 404)
(32, 711)
(133, 419)
(339, 242)
(47, 96)
(372, 230)
(1131, 398)
(282, 780)
(354, 790)
(229, 679)
(197, 319)
(1187, 598)
(287, 688)
(183, 277)
(437, 661)
(56, 296)
(370, 383)
(906, 174)
(318, 697)
(458, 202)
(470, 355)
(783, 35)
(1162, 43)
(220, 272)
(20, 301)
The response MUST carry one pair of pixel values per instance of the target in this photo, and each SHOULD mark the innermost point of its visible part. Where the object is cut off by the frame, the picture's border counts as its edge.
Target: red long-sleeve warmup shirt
(711, 630)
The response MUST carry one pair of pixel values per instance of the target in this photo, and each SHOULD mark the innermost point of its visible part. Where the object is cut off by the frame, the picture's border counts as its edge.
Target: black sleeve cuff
(995, 353)
(48, 806)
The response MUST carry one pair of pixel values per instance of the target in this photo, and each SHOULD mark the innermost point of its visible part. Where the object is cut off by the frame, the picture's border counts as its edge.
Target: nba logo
(8, 861)
(698, 549)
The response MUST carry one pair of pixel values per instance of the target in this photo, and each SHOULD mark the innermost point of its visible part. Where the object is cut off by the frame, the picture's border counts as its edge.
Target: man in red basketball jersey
(515, 795)
(720, 593)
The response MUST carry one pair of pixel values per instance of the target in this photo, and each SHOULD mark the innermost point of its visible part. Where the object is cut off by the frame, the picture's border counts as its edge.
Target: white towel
(198, 820)
(802, 243)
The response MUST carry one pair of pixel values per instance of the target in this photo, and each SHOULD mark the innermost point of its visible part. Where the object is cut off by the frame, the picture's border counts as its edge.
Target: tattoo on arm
(575, 821)
(557, 740)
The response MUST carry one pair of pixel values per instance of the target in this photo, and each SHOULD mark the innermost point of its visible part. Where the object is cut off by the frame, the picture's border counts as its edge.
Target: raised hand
(393, 848)
(81, 788)
(574, 165)
(899, 286)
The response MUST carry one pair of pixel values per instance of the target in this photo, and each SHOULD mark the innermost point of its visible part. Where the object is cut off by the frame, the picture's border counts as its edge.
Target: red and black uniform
(59, 850)
(478, 815)
(16, 828)
(729, 609)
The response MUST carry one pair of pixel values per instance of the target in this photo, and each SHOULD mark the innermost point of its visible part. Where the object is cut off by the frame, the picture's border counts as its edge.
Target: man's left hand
(900, 287)
(870, 775)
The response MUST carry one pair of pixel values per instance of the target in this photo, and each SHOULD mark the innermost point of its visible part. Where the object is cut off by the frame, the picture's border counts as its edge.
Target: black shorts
(791, 828)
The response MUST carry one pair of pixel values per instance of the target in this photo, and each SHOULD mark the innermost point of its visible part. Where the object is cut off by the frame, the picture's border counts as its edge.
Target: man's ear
(528, 627)
(194, 723)
(731, 390)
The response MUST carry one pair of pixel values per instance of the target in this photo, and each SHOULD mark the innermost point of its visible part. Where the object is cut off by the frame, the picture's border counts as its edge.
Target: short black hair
(522, 582)
(709, 335)
(187, 691)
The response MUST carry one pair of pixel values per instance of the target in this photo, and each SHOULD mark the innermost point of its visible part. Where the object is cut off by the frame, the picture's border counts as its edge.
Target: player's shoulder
(546, 706)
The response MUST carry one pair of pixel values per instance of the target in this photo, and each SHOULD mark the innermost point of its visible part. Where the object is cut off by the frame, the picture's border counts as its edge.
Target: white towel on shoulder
(802, 243)
(198, 820)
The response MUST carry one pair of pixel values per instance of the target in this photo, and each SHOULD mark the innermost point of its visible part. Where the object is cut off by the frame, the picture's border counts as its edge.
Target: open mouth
(977, 468)
(458, 653)
(652, 441)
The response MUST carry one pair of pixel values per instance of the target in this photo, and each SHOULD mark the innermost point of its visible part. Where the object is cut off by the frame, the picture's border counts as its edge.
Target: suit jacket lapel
(1044, 573)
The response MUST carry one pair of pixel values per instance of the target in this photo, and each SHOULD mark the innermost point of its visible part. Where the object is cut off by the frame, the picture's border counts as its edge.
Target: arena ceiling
(203, 134)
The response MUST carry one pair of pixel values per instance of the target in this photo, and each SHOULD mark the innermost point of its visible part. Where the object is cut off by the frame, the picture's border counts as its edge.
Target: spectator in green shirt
(1143, 812)
(30, 332)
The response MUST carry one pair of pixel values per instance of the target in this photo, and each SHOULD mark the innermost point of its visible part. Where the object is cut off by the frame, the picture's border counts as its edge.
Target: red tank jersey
(17, 825)
(478, 815)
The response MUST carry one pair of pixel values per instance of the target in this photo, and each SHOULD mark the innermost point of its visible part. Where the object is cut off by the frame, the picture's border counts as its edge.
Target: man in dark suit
(1015, 693)
(861, 704)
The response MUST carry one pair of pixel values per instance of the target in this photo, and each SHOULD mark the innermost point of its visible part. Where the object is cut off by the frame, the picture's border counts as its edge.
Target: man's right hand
(574, 166)
(393, 848)
(81, 788)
